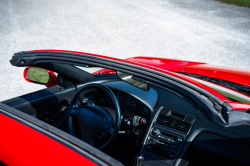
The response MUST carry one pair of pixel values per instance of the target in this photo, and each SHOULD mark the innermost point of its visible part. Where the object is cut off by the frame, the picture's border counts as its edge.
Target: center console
(167, 135)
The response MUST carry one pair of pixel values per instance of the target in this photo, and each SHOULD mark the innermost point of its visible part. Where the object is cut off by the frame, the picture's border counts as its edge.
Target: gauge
(108, 99)
(137, 105)
(123, 99)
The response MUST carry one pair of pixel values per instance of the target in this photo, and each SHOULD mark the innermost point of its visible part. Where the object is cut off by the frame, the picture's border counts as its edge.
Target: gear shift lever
(138, 160)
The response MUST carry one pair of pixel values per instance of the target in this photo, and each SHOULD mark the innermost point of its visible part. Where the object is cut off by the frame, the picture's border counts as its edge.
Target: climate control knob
(156, 132)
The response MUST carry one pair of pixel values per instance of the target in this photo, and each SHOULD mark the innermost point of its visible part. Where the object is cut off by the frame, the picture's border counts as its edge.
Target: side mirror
(40, 76)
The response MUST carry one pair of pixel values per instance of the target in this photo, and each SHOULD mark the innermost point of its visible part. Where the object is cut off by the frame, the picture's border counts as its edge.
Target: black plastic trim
(73, 73)
(215, 150)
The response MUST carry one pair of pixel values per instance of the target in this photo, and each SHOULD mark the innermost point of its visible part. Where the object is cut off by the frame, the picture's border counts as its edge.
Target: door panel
(48, 105)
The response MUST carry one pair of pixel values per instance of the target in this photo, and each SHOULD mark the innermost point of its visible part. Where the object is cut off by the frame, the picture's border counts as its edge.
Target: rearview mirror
(40, 76)
(132, 80)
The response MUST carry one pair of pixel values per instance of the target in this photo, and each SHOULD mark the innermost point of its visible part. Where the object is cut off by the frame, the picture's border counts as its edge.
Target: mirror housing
(40, 76)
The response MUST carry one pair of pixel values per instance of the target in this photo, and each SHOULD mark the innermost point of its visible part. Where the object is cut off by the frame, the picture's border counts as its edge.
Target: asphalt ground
(197, 30)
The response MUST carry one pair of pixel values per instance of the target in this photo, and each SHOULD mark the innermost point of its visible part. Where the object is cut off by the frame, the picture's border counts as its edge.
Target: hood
(220, 72)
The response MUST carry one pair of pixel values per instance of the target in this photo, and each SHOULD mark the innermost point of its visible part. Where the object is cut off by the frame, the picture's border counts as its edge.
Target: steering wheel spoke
(110, 130)
(74, 111)
(109, 125)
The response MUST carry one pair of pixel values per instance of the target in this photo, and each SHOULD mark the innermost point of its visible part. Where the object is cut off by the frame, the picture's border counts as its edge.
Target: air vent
(173, 123)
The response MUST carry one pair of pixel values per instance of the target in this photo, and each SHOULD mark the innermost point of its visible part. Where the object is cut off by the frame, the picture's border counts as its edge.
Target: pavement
(196, 30)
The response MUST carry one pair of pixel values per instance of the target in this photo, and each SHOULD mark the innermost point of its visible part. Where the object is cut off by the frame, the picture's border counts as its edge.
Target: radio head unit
(167, 135)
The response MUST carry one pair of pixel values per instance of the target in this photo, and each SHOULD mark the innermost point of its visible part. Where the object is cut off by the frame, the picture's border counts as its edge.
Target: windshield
(229, 93)
(123, 76)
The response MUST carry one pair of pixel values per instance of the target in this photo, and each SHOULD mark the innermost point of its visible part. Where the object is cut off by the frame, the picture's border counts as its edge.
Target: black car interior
(159, 126)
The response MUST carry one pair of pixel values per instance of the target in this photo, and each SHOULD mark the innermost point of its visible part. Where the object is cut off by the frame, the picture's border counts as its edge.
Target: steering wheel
(94, 122)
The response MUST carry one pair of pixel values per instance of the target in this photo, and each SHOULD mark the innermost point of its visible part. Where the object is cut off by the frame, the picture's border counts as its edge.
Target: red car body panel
(104, 72)
(22, 145)
(52, 77)
(224, 73)
(170, 66)
(239, 106)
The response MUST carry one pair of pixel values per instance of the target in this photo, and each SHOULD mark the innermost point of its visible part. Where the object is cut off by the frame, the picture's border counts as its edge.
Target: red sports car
(98, 110)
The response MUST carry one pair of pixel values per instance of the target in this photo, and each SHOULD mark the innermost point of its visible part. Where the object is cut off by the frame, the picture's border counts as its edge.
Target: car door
(50, 104)
(27, 141)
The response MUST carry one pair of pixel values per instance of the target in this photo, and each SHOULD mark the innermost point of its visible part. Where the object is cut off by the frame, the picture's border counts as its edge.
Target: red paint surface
(104, 72)
(215, 93)
(22, 145)
(52, 77)
(225, 73)
(239, 106)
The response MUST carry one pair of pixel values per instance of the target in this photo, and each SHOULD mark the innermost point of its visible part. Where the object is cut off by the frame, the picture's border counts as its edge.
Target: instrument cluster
(128, 102)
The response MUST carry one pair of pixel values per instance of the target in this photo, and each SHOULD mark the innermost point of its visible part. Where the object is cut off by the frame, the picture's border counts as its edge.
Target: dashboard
(174, 122)
(178, 127)
(166, 134)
